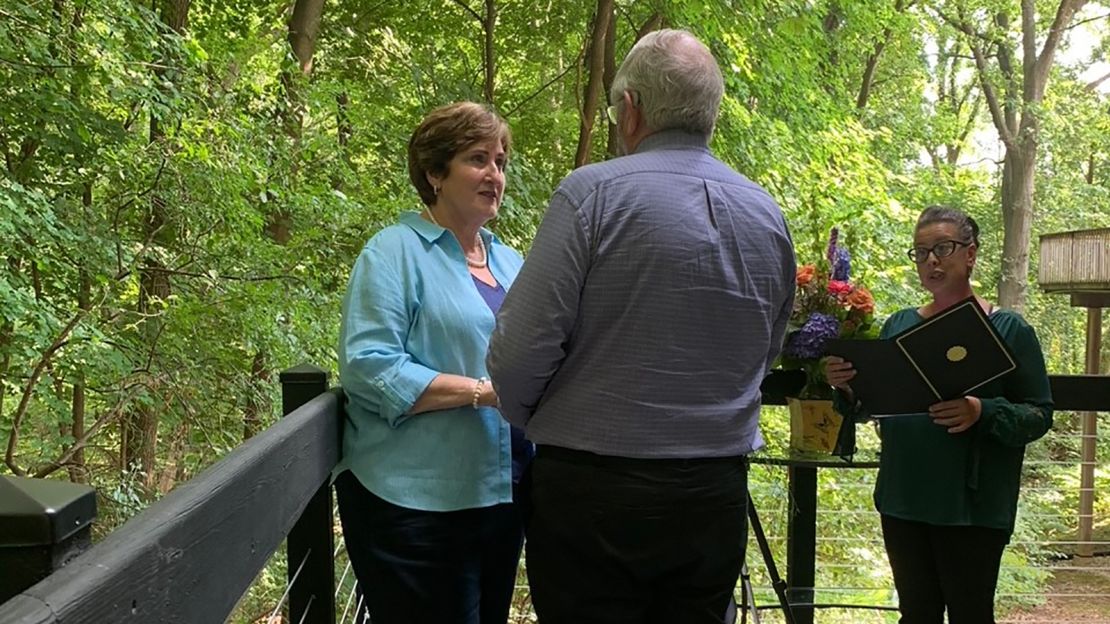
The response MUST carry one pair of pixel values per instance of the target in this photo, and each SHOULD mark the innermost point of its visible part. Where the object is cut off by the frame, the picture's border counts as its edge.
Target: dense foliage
(185, 185)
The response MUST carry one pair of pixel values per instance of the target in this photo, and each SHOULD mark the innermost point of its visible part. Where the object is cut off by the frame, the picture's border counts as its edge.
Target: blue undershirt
(523, 450)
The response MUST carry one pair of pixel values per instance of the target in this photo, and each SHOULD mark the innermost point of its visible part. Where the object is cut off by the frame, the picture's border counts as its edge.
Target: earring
(435, 189)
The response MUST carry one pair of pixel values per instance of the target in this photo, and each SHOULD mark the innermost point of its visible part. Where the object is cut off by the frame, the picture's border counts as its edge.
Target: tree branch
(1064, 13)
(963, 26)
(869, 72)
(469, 10)
(539, 91)
(1029, 48)
(1011, 95)
(83, 441)
(7, 153)
(1091, 86)
(216, 276)
(993, 104)
(1086, 21)
(969, 125)
(47, 66)
(29, 390)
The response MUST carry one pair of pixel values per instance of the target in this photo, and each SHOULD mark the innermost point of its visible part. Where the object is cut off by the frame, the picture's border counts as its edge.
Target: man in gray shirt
(631, 348)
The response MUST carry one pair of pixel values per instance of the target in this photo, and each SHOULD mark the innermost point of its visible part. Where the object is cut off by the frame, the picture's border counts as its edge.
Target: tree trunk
(491, 62)
(1015, 117)
(139, 429)
(304, 27)
(257, 405)
(343, 128)
(78, 472)
(1018, 171)
(872, 63)
(655, 22)
(611, 147)
(596, 60)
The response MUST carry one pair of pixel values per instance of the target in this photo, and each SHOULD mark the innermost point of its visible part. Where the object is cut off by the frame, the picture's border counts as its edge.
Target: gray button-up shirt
(651, 305)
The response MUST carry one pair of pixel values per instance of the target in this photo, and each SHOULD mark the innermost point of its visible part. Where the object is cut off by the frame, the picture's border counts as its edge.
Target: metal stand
(777, 582)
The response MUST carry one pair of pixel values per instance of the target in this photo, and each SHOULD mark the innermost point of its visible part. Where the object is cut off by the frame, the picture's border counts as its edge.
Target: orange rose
(806, 274)
(861, 299)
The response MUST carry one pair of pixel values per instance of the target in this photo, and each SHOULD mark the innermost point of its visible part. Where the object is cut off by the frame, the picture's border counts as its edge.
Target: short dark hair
(966, 226)
(446, 131)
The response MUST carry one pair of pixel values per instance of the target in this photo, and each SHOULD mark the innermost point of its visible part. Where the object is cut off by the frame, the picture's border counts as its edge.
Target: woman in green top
(948, 479)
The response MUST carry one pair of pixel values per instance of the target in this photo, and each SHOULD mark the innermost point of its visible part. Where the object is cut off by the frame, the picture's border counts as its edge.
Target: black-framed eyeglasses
(943, 249)
(612, 110)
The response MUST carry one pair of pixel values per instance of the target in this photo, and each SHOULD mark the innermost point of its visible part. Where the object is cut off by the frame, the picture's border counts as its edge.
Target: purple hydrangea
(842, 265)
(809, 341)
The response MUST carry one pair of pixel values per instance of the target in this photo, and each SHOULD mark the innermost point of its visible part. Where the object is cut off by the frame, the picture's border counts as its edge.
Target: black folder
(947, 356)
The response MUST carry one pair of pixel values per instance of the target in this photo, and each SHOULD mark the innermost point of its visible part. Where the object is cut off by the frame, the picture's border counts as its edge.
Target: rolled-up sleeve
(540, 310)
(375, 370)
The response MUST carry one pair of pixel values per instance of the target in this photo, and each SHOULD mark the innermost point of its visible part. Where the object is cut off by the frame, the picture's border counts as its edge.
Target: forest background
(185, 183)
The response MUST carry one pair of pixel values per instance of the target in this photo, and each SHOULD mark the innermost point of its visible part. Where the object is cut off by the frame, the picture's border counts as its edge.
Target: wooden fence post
(311, 542)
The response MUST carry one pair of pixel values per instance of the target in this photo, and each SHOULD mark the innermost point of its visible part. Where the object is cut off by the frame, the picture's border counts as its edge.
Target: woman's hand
(838, 372)
(489, 396)
(958, 414)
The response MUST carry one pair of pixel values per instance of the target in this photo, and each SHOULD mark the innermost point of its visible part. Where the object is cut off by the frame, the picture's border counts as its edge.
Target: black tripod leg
(776, 581)
(747, 600)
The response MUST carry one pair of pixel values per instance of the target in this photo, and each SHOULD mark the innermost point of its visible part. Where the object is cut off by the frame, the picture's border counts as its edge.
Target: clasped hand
(958, 415)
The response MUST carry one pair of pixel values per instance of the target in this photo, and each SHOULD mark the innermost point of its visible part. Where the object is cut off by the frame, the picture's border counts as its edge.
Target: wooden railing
(192, 555)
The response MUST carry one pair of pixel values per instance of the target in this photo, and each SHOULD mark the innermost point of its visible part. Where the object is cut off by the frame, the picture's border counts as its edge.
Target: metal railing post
(44, 523)
(311, 541)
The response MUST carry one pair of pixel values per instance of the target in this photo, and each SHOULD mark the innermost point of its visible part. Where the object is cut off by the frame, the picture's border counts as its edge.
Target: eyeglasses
(612, 110)
(943, 249)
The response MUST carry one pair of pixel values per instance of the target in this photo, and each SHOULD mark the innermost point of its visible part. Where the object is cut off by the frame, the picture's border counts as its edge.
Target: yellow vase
(814, 425)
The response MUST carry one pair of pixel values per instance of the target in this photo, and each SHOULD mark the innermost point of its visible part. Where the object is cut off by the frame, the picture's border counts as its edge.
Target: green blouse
(971, 478)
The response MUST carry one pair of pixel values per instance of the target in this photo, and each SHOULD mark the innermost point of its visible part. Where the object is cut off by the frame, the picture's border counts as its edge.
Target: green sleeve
(1024, 413)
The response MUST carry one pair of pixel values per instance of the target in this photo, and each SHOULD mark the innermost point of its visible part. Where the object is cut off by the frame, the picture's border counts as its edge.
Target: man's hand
(958, 414)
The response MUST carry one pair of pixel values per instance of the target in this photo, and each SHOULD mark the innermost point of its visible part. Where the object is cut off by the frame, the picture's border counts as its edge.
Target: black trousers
(615, 541)
(939, 567)
(426, 567)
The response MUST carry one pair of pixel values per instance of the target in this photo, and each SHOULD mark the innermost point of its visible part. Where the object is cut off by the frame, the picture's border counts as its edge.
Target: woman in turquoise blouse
(948, 479)
(426, 482)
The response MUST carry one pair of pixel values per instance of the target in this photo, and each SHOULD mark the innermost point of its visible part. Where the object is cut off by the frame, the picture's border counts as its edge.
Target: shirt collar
(673, 139)
(431, 232)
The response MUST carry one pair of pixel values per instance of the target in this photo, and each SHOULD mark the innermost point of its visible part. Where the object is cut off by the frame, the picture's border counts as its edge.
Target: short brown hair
(446, 131)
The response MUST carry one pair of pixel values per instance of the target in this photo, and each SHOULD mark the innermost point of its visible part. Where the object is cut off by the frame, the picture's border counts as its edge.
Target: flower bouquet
(827, 305)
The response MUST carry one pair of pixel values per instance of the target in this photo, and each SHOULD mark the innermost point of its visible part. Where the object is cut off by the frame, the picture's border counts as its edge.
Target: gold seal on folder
(956, 353)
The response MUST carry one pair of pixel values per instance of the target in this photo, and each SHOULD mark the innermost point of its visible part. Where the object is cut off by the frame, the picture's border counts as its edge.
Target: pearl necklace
(477, 264)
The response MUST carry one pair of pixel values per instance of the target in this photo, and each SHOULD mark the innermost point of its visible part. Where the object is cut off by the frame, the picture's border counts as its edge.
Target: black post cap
(36, 512)
(302, 373)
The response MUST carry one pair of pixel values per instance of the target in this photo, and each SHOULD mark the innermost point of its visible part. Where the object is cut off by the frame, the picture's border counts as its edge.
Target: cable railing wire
(288, 586)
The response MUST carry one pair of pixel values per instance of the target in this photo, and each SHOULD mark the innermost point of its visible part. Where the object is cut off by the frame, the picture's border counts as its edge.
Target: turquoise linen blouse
(411, 312)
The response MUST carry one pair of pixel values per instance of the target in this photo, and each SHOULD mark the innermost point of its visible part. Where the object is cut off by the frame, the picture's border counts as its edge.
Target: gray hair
(677, 78)
(966, 226)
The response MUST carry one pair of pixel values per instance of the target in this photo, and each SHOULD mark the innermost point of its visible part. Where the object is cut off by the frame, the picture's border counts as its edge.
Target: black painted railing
(192, 555)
